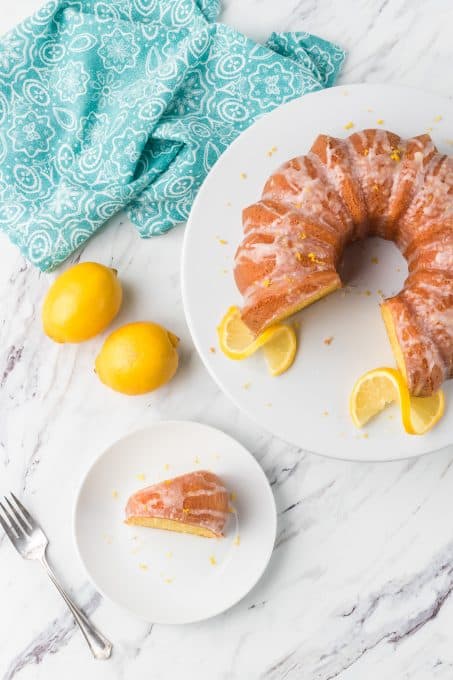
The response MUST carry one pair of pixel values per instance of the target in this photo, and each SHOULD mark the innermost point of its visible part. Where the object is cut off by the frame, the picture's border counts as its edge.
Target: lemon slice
(382, 386)
(238, 342)
(280, 351)
(425, 412)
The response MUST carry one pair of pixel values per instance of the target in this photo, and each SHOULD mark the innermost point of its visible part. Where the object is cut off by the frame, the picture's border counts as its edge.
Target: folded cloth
(111, 104)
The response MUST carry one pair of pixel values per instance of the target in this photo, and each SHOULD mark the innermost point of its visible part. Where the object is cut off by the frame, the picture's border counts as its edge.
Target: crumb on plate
(329, 340)
(213, 560)
(349, 125)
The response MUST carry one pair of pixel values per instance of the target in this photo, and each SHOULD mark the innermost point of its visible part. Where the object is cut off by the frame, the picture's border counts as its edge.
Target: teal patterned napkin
(110, 104)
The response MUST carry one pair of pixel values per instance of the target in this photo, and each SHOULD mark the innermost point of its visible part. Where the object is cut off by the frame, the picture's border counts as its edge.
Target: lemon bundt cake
(371, 184)
(194, 503)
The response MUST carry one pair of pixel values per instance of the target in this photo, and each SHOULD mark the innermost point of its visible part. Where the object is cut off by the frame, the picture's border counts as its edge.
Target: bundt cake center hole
(375, 265)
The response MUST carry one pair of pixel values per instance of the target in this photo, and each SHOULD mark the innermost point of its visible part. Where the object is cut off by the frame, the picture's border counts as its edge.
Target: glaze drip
(372, 183)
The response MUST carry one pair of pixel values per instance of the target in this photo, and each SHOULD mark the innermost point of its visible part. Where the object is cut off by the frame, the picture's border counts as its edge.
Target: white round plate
(308, 405)
(163, 576)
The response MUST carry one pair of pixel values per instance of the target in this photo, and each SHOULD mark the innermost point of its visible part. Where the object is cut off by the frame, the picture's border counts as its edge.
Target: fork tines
(15, 519)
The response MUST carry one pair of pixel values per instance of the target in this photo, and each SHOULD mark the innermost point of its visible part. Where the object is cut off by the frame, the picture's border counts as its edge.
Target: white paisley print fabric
(112, 104)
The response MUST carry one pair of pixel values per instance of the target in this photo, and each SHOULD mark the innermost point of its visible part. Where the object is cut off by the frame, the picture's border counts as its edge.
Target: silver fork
(31, 542)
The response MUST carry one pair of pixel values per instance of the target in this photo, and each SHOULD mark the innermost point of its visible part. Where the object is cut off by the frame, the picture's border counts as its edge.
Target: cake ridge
(371, 183)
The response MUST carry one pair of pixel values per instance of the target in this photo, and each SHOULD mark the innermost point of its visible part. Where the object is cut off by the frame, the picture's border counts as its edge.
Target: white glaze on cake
(197, 498)
(372, 183)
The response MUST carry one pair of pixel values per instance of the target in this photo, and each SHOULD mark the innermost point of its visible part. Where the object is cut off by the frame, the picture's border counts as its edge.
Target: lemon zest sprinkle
(395, 155)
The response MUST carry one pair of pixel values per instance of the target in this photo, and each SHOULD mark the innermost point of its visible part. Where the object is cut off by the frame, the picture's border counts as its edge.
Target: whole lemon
(81, 302)
(137, 358)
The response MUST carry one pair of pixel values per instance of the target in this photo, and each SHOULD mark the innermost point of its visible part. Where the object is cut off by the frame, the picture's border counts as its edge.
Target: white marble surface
(359, 584)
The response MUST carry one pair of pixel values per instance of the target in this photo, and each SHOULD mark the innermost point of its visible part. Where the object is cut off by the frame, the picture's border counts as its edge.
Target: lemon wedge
(280, 351)
(238, 342)
(425, 412)
(376, 389)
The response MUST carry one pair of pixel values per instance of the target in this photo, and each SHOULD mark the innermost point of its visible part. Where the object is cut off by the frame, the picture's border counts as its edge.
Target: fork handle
(100, 647)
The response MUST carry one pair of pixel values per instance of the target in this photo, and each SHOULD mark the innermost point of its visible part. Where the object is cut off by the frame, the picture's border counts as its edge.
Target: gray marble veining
(359, 586)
